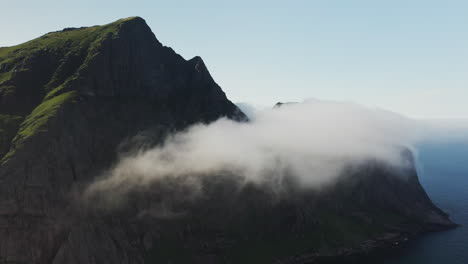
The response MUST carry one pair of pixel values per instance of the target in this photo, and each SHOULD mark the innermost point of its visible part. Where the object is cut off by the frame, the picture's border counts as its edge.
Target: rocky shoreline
(368, 250)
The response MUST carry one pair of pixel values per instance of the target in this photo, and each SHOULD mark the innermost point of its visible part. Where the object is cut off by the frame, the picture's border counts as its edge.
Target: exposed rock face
(70, 101)
(82, 100)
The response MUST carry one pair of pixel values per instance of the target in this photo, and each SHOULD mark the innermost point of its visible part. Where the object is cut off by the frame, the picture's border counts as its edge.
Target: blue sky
(410, 57)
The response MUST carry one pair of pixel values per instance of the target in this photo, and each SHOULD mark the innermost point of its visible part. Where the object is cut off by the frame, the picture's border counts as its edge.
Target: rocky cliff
(72, 100)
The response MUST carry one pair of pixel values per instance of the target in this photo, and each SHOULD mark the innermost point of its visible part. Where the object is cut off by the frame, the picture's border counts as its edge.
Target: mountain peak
(135, 21)
(74, 102)
(131, 19)
(122, 59)
(280, 104)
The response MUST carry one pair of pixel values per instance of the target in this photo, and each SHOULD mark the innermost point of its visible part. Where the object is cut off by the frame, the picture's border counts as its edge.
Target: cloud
(443, 130)
(311, 141)
(249, 110)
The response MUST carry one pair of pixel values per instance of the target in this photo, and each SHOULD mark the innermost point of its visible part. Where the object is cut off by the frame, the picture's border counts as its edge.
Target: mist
(311, 141)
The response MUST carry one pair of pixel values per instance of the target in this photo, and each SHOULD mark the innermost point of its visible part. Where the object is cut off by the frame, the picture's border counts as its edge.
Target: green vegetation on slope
(74, 48)
(35, 122)
(63, 44)
(70, 39)
(7, 122)
(8, 126)
(4, 76)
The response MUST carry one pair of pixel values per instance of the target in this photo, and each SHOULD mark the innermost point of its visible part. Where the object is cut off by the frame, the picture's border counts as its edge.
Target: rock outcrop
(72, 100)
(69, 100)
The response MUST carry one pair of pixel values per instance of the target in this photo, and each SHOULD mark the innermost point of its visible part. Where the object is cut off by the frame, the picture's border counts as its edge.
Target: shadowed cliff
(72, 101)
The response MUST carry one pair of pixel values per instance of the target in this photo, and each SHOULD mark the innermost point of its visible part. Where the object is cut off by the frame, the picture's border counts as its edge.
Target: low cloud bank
(312, 141)
(443, 130)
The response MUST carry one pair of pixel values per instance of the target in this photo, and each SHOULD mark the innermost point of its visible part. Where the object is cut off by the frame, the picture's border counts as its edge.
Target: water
(444, 174)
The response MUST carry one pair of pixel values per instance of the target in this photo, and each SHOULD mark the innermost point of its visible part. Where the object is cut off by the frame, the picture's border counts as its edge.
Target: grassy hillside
(35, 79)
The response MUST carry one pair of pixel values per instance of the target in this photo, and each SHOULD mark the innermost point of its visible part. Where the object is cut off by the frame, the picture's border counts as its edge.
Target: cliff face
(70, 101)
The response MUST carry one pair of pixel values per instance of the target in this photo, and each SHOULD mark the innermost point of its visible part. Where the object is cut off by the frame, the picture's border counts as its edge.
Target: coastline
(370, 250)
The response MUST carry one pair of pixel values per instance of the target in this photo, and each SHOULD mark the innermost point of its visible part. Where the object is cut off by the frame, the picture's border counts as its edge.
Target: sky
(406, 56)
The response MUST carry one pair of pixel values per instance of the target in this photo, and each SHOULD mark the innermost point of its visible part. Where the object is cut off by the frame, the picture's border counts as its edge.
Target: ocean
(443, 171)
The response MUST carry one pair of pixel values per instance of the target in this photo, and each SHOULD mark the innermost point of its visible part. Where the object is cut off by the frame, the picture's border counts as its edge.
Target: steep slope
(72, 101)
(68, 101)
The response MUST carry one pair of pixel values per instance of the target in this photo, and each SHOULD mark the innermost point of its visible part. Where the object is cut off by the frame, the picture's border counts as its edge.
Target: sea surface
(443, 172)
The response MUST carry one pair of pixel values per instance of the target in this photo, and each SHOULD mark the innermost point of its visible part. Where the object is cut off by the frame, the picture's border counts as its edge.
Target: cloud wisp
(312, 141)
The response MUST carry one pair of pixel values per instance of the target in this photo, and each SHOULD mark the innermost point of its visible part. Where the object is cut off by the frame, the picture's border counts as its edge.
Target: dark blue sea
(443, 171)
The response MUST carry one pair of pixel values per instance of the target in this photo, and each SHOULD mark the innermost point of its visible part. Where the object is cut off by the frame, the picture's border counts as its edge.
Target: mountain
(72, 101)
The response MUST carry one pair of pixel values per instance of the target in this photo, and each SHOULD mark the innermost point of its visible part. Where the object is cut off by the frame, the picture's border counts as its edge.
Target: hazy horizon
(114, 149)
(407, 57)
